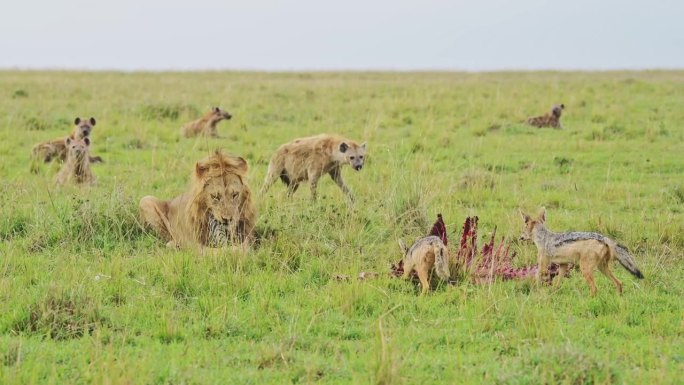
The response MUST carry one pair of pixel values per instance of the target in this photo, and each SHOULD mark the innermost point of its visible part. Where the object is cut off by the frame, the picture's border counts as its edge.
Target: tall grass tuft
(60, 316)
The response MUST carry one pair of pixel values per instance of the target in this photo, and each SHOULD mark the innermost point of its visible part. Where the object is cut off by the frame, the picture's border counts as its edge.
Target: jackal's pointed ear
(343, 147)
(403, 247)
(77, 121)
(542, 215)
(524, 216)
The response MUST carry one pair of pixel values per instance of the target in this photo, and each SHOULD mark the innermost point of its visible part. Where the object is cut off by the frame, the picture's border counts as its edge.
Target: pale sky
(473, 35)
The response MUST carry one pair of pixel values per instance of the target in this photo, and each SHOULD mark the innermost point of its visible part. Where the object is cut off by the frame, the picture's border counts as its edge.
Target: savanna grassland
(87, 296)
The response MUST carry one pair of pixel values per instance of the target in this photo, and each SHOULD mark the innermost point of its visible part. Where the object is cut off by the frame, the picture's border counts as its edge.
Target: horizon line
(338, 70)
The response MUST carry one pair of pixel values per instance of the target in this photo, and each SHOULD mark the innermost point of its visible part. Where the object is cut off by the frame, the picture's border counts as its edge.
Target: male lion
(217, 210)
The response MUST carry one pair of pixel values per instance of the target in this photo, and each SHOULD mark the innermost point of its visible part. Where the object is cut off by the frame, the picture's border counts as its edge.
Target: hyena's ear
(542, 215)
(524, 216)
(562, 106)
(344, 147)
(87, 141)
(77, 121)
(217, 110)
(403, 247)
(363, 146)
(92, 121)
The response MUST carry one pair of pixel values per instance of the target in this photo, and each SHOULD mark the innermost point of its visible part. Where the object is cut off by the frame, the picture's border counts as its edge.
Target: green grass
(86, 296)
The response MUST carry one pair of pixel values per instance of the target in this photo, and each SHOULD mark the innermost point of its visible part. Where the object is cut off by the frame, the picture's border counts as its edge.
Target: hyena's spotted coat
(551, 119)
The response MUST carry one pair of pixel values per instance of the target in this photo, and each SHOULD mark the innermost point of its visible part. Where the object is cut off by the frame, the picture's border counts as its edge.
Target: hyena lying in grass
(548, 120)
(589, 250)
(206, 125)
(57, 149)
(76, 169)
(426, 255)
(308, 159)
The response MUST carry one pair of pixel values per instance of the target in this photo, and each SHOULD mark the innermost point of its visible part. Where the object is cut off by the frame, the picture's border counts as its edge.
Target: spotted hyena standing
(308, 159)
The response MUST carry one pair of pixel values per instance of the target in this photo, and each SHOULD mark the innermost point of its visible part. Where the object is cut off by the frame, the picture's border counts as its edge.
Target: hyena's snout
(357, 162)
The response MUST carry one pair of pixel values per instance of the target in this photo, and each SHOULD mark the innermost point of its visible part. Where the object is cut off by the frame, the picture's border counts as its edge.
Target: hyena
(589, 250)
(206, 125)
(76, 169)
(548, 120)
(308, 159)
(57, 149)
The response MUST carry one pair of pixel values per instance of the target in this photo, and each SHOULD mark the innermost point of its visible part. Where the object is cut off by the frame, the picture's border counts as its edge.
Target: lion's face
(223, 197)
(221, 191)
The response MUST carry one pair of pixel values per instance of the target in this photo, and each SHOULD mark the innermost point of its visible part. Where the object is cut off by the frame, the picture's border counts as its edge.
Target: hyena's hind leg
(153, 214)
(272, 176)
(292, 188)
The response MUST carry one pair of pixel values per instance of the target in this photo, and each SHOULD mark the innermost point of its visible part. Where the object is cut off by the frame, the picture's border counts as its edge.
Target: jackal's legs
(562, 271)
(587, 271)
(605, 269)
(424, 276)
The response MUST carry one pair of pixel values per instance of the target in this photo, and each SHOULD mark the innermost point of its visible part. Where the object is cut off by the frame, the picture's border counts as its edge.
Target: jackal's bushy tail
(627, 261)
(442, 262)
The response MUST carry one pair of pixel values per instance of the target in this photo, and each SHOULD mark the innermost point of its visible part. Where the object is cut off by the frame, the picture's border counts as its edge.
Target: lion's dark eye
(235, 195)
